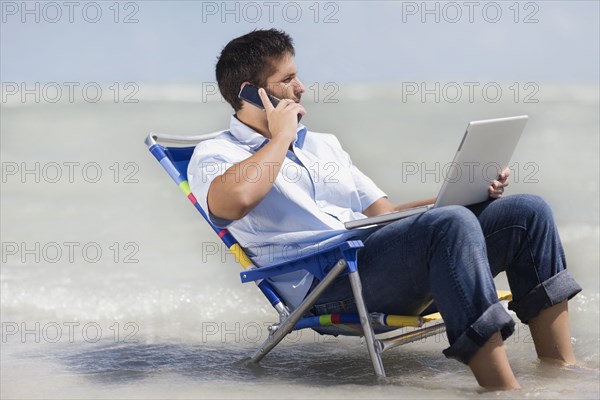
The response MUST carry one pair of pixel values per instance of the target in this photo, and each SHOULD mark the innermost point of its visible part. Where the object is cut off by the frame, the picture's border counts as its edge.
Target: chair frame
(343, 257)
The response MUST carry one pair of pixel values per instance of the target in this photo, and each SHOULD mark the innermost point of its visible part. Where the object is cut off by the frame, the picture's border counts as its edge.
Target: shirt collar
(248, 136)
(300, 136)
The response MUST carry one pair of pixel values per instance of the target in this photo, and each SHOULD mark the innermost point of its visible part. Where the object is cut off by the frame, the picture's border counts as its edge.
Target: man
(242, 180)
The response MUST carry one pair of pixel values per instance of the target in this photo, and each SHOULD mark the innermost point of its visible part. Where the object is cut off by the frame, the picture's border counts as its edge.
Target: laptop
(484, 151)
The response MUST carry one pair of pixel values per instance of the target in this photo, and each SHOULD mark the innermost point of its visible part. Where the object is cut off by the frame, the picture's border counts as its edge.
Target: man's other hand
(496, 189)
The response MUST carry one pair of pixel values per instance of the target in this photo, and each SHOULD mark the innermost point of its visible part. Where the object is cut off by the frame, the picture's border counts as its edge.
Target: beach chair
(326, 266)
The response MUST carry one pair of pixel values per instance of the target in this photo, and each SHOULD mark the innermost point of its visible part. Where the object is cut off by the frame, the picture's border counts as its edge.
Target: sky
(177, 42)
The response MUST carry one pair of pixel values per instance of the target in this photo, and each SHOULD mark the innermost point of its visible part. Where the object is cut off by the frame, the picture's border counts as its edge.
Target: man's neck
(258, 124)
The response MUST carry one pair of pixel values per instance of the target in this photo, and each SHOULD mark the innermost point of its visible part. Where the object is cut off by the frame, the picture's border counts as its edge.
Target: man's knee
(452, 217)
(529, 205)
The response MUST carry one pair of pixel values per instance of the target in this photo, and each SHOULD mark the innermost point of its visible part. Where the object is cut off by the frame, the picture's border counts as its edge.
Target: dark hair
(250, 58)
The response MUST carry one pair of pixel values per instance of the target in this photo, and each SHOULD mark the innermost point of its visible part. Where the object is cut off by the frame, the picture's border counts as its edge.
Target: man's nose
(299, 86)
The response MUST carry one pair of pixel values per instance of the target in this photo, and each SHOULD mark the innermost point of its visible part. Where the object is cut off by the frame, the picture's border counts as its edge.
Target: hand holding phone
(281, 120)
(250, 94)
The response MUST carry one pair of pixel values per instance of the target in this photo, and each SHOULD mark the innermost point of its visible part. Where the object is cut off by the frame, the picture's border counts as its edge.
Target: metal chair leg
(372, 344)
(288, 324)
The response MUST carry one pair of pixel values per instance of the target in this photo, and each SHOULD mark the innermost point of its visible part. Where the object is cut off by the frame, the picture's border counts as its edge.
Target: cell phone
(249, 93)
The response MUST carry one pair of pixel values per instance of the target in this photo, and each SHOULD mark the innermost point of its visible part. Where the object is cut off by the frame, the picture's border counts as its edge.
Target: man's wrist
(281, 140)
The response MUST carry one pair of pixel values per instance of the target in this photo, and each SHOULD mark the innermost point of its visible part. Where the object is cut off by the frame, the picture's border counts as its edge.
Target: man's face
(284, 83)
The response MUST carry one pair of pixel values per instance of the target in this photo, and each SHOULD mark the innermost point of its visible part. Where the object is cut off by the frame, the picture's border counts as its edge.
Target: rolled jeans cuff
(494, 319)
(555, 290)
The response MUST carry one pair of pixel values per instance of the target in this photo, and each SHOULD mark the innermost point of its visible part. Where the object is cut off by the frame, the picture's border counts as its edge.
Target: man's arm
(384, 205)
(231, 196)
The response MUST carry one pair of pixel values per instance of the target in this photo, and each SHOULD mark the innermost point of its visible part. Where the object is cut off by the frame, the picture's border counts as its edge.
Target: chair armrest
(318, 263)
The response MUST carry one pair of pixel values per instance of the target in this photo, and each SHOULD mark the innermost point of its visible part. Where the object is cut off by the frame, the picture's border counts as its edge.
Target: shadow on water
(421, 369)
(305, 364)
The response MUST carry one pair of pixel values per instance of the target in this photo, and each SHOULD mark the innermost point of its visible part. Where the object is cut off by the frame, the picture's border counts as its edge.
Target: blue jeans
(450, 255)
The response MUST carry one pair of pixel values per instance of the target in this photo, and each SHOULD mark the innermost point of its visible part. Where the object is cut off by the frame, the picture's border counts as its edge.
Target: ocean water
(113, 287)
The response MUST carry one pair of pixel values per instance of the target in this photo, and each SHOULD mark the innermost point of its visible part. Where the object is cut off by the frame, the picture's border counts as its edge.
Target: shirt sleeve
(368, 191)
(204, 167)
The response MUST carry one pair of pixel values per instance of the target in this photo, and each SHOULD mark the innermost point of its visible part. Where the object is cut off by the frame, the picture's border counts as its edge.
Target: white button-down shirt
(316, 191)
